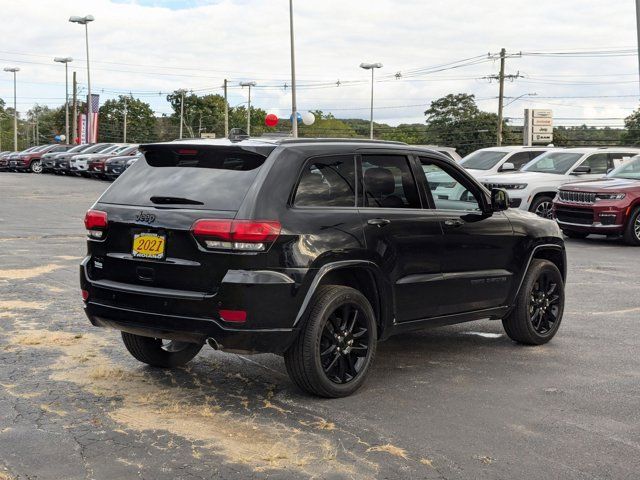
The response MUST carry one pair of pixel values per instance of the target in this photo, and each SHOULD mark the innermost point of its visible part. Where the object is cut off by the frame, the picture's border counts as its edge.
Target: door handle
(454, 222)
(379, 222)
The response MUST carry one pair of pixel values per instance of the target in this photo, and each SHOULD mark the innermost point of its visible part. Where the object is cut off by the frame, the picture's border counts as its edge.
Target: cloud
(153, 46)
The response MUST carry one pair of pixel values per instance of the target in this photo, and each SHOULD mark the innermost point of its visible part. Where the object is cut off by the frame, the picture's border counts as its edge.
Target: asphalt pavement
(460, 402)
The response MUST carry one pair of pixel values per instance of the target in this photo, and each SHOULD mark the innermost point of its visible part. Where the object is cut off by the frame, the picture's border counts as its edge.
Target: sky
(151, 47)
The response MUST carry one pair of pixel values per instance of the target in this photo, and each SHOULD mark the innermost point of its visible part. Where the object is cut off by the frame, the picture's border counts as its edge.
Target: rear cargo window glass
(183, 177)
(327, 182)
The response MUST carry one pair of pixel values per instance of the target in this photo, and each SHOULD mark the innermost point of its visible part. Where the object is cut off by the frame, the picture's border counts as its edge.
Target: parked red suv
(606, 206)
(31, 161)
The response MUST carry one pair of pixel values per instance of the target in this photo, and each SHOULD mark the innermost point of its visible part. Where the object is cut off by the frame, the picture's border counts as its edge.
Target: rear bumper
(189, 329)
(271, 307)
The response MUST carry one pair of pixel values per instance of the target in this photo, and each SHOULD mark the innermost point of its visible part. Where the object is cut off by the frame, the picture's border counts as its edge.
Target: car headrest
(379, 181)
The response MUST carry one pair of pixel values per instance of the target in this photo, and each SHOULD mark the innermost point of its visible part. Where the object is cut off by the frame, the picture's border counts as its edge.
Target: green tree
(140, 120)
(238, 119)
(632, 125)
(48, 122)
(456, 121)
(201, 113)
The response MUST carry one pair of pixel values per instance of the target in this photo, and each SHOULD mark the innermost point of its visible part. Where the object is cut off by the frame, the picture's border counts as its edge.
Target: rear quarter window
(210, 178)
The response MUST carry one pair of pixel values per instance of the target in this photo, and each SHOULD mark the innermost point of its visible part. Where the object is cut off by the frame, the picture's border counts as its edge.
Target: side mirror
(499, 199)
(582, 169)
(507, 167)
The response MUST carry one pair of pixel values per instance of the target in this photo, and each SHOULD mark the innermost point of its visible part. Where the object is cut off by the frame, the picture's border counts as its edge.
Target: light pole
(181, 111)
(66, 61)
(638, 27)
(294, 106)
(372, 67)
(14, 70)
(85, 21)
(249, 84)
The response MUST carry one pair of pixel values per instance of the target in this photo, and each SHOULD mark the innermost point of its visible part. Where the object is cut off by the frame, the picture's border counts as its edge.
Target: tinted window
(211, 178)
(327, 182)
(482, 159)
(553, 162)
(388, 182)
(519, 159)
(448, 192)
(599, 163)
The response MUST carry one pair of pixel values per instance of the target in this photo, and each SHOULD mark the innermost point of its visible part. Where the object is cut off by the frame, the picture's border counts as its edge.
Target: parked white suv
(534, 187)
(486, 161)
(489, 161)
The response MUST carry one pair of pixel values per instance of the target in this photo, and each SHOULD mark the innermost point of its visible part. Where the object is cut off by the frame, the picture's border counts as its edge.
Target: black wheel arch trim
(532, 255)
(385, 309)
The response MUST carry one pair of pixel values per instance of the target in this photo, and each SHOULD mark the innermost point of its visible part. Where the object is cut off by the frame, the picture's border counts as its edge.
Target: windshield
(629, 170)
(79, 148)
(482, 159)
(553, 162)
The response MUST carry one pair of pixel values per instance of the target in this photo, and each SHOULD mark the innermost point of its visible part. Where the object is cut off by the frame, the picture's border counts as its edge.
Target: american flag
(95, 106)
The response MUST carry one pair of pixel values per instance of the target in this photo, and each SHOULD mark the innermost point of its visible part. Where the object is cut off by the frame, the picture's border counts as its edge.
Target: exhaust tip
(213, 343)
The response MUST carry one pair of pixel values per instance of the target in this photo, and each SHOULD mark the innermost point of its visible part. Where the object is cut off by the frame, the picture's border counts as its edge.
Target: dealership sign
(538, 127)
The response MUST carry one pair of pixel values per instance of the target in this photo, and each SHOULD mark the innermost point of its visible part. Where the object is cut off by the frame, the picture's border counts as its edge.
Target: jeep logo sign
(144, 217)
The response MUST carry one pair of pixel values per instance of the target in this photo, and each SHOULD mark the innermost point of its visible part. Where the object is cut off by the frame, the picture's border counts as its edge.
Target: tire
(154, 351)
(535, 319)
(322, 362)
(632, 230)
(541, 206)
(574, 234)
(36, 166)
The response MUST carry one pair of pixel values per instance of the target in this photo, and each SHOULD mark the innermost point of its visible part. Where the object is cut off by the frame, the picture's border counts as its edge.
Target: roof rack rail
(339, 140)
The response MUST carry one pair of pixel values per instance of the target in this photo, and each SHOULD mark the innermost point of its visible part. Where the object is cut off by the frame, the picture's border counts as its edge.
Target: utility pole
(74, 120)
(294, 106)
(501, 78)
(503, 52)
(37, 127)
(638, 29)
(124, 127)
(249, 84)
(226, 110)
(181, 111)
(200, 126)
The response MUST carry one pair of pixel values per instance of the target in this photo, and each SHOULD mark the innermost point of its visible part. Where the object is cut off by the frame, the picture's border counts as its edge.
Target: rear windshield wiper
(174, 201)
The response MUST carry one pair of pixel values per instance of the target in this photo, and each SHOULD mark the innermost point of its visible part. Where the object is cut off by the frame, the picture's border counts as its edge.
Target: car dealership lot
(457, 402)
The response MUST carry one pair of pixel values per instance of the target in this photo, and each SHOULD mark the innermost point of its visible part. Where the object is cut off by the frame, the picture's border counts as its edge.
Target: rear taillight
(238, 235)
(95, 222)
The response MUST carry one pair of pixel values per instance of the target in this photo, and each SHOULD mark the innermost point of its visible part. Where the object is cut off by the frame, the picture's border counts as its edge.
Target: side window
(388, 182)
(535, 154)
(327, 182)
(598, 162)
(448, 193)
(519, 159)
(618, 158)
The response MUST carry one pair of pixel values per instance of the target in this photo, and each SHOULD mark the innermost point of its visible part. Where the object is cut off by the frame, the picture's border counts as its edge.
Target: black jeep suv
(312, 249)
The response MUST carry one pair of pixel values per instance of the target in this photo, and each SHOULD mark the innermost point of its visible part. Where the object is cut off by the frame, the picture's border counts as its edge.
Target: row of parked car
(100, 160)
(586, 190)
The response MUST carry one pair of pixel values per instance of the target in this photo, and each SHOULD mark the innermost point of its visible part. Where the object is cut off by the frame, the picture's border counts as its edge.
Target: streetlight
(66, 61)
(15, 107)
(249, 84)
(294, 106)
(85, 21)
(372, 67)
(519, 97)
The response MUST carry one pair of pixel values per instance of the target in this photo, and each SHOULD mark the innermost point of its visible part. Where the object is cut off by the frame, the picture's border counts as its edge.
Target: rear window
(183, 177)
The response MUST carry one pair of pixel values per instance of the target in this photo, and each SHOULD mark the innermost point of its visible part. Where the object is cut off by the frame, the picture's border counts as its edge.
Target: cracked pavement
(461, 402)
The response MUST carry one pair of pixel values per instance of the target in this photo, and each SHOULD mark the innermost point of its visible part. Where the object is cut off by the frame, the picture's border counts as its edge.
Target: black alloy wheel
(335, 348)
(537, 313)
(544, 303)
(344, 343)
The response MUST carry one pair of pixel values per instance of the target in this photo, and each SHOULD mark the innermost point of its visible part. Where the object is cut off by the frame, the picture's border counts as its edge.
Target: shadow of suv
(311, 249)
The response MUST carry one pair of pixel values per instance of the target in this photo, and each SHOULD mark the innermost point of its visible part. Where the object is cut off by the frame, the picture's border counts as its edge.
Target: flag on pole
(92, 136)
